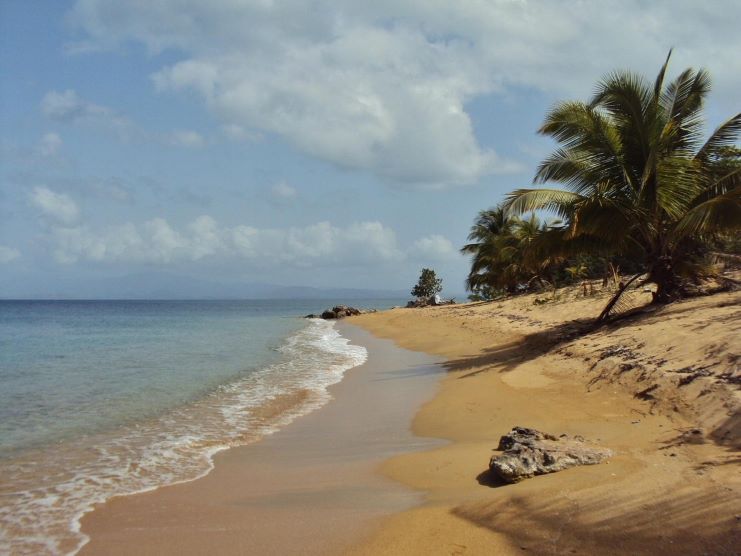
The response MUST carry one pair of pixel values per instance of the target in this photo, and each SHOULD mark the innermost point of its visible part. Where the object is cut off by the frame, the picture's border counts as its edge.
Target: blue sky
(315, 143)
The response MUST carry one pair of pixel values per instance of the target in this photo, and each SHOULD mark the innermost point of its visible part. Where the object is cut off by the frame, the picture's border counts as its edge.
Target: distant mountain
(161, 285)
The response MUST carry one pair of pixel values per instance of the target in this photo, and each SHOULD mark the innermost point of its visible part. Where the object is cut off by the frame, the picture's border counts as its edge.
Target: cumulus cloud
(156, 241)
(384, 86)
(8, 254)
(58, 207)
(434, 248)
(69, 107)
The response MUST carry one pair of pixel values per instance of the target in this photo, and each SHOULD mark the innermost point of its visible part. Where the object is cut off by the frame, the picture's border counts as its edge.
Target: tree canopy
(638, 182)
(428, 284)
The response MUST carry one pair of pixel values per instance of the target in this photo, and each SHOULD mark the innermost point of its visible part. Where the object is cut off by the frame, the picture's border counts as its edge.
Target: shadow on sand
(688, 523)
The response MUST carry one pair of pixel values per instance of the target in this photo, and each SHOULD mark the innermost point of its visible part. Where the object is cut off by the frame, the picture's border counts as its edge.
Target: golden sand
(639, 387)
(666, 490)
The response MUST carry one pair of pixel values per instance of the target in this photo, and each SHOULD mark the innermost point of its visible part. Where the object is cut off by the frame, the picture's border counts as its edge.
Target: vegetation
(503, 260)
(428, 284)
(641, 187)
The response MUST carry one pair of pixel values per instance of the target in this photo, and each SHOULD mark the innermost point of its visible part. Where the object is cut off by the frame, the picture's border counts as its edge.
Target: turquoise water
(101, 398)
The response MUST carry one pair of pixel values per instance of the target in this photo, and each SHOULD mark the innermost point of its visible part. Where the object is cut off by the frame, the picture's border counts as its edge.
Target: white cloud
(69, 107)
(238, 133)
(157, 242)
(434, 248)
(282, 190)
(8, 254)
(50, 144)
(56, 206)
(384, 86)
(186, 138)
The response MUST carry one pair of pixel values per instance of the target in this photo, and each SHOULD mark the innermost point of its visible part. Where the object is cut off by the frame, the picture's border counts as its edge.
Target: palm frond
(659, 83)
(559, 201)
(719, 214)
(677, 185)
(725, 135)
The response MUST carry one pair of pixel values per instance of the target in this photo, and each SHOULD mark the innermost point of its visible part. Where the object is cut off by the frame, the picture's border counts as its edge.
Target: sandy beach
(667, 490)
(659, 390)
(310, 488)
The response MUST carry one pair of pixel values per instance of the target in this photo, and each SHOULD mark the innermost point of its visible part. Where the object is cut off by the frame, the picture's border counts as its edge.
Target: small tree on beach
(428, 284)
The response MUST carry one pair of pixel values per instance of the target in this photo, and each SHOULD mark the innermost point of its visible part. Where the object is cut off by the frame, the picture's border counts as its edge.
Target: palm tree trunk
(667, 283)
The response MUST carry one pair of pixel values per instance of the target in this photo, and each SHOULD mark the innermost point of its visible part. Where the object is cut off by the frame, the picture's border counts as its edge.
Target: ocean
(106, 398)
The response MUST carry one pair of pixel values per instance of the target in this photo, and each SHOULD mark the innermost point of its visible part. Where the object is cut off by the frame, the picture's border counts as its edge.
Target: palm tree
(490, 234)
(502, 251)
(639, 181)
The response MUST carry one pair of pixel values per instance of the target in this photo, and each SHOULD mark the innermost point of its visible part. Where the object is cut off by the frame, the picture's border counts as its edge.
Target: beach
(355, 478)
(310, 488)
(668, 489)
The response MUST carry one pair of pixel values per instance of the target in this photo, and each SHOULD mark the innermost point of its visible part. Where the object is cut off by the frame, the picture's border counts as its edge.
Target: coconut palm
(639, 181)
(502, 251)
(490, 235)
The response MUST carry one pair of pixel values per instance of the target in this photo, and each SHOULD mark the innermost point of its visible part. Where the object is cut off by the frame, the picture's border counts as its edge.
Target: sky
(316, 143)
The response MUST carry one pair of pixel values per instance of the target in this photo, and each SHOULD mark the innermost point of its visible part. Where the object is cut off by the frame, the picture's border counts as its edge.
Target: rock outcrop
(339, 312)
(529, 452)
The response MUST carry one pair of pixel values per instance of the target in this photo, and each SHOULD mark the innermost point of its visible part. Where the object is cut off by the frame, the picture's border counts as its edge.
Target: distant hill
(161, 285)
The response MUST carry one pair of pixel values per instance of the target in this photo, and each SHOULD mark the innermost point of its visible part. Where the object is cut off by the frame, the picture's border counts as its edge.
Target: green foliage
(428, 284)
(505, 253)
(485, 292)
(640, 184)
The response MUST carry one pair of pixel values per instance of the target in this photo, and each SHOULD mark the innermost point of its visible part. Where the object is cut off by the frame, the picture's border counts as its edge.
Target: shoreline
(511, 364)
(338, 446)
(44, 502)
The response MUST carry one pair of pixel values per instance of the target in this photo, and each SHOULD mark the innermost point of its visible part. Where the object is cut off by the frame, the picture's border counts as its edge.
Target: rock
(529, 452)
(311, 316)
(340, 312)
(348, 311)
(521, 435)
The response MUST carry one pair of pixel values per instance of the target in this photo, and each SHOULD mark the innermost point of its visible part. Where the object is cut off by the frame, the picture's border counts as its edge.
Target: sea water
(105, 398)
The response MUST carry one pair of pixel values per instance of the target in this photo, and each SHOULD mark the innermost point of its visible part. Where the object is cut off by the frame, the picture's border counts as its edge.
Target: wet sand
(310, 488)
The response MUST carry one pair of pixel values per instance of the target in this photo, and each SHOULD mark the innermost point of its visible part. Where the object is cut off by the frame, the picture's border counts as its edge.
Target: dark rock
(529, 452)
(348, 311)
(311, 316)
(340, 312)
(521, 435)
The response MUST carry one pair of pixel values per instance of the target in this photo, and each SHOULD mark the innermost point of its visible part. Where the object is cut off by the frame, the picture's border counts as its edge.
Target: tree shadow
(728, 433)
(507, 356)
(628, 523)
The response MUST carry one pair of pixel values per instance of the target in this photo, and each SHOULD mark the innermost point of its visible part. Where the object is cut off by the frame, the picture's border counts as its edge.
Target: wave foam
(45, 494)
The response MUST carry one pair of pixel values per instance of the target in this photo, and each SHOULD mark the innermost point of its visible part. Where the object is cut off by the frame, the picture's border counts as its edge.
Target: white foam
(45, 494)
